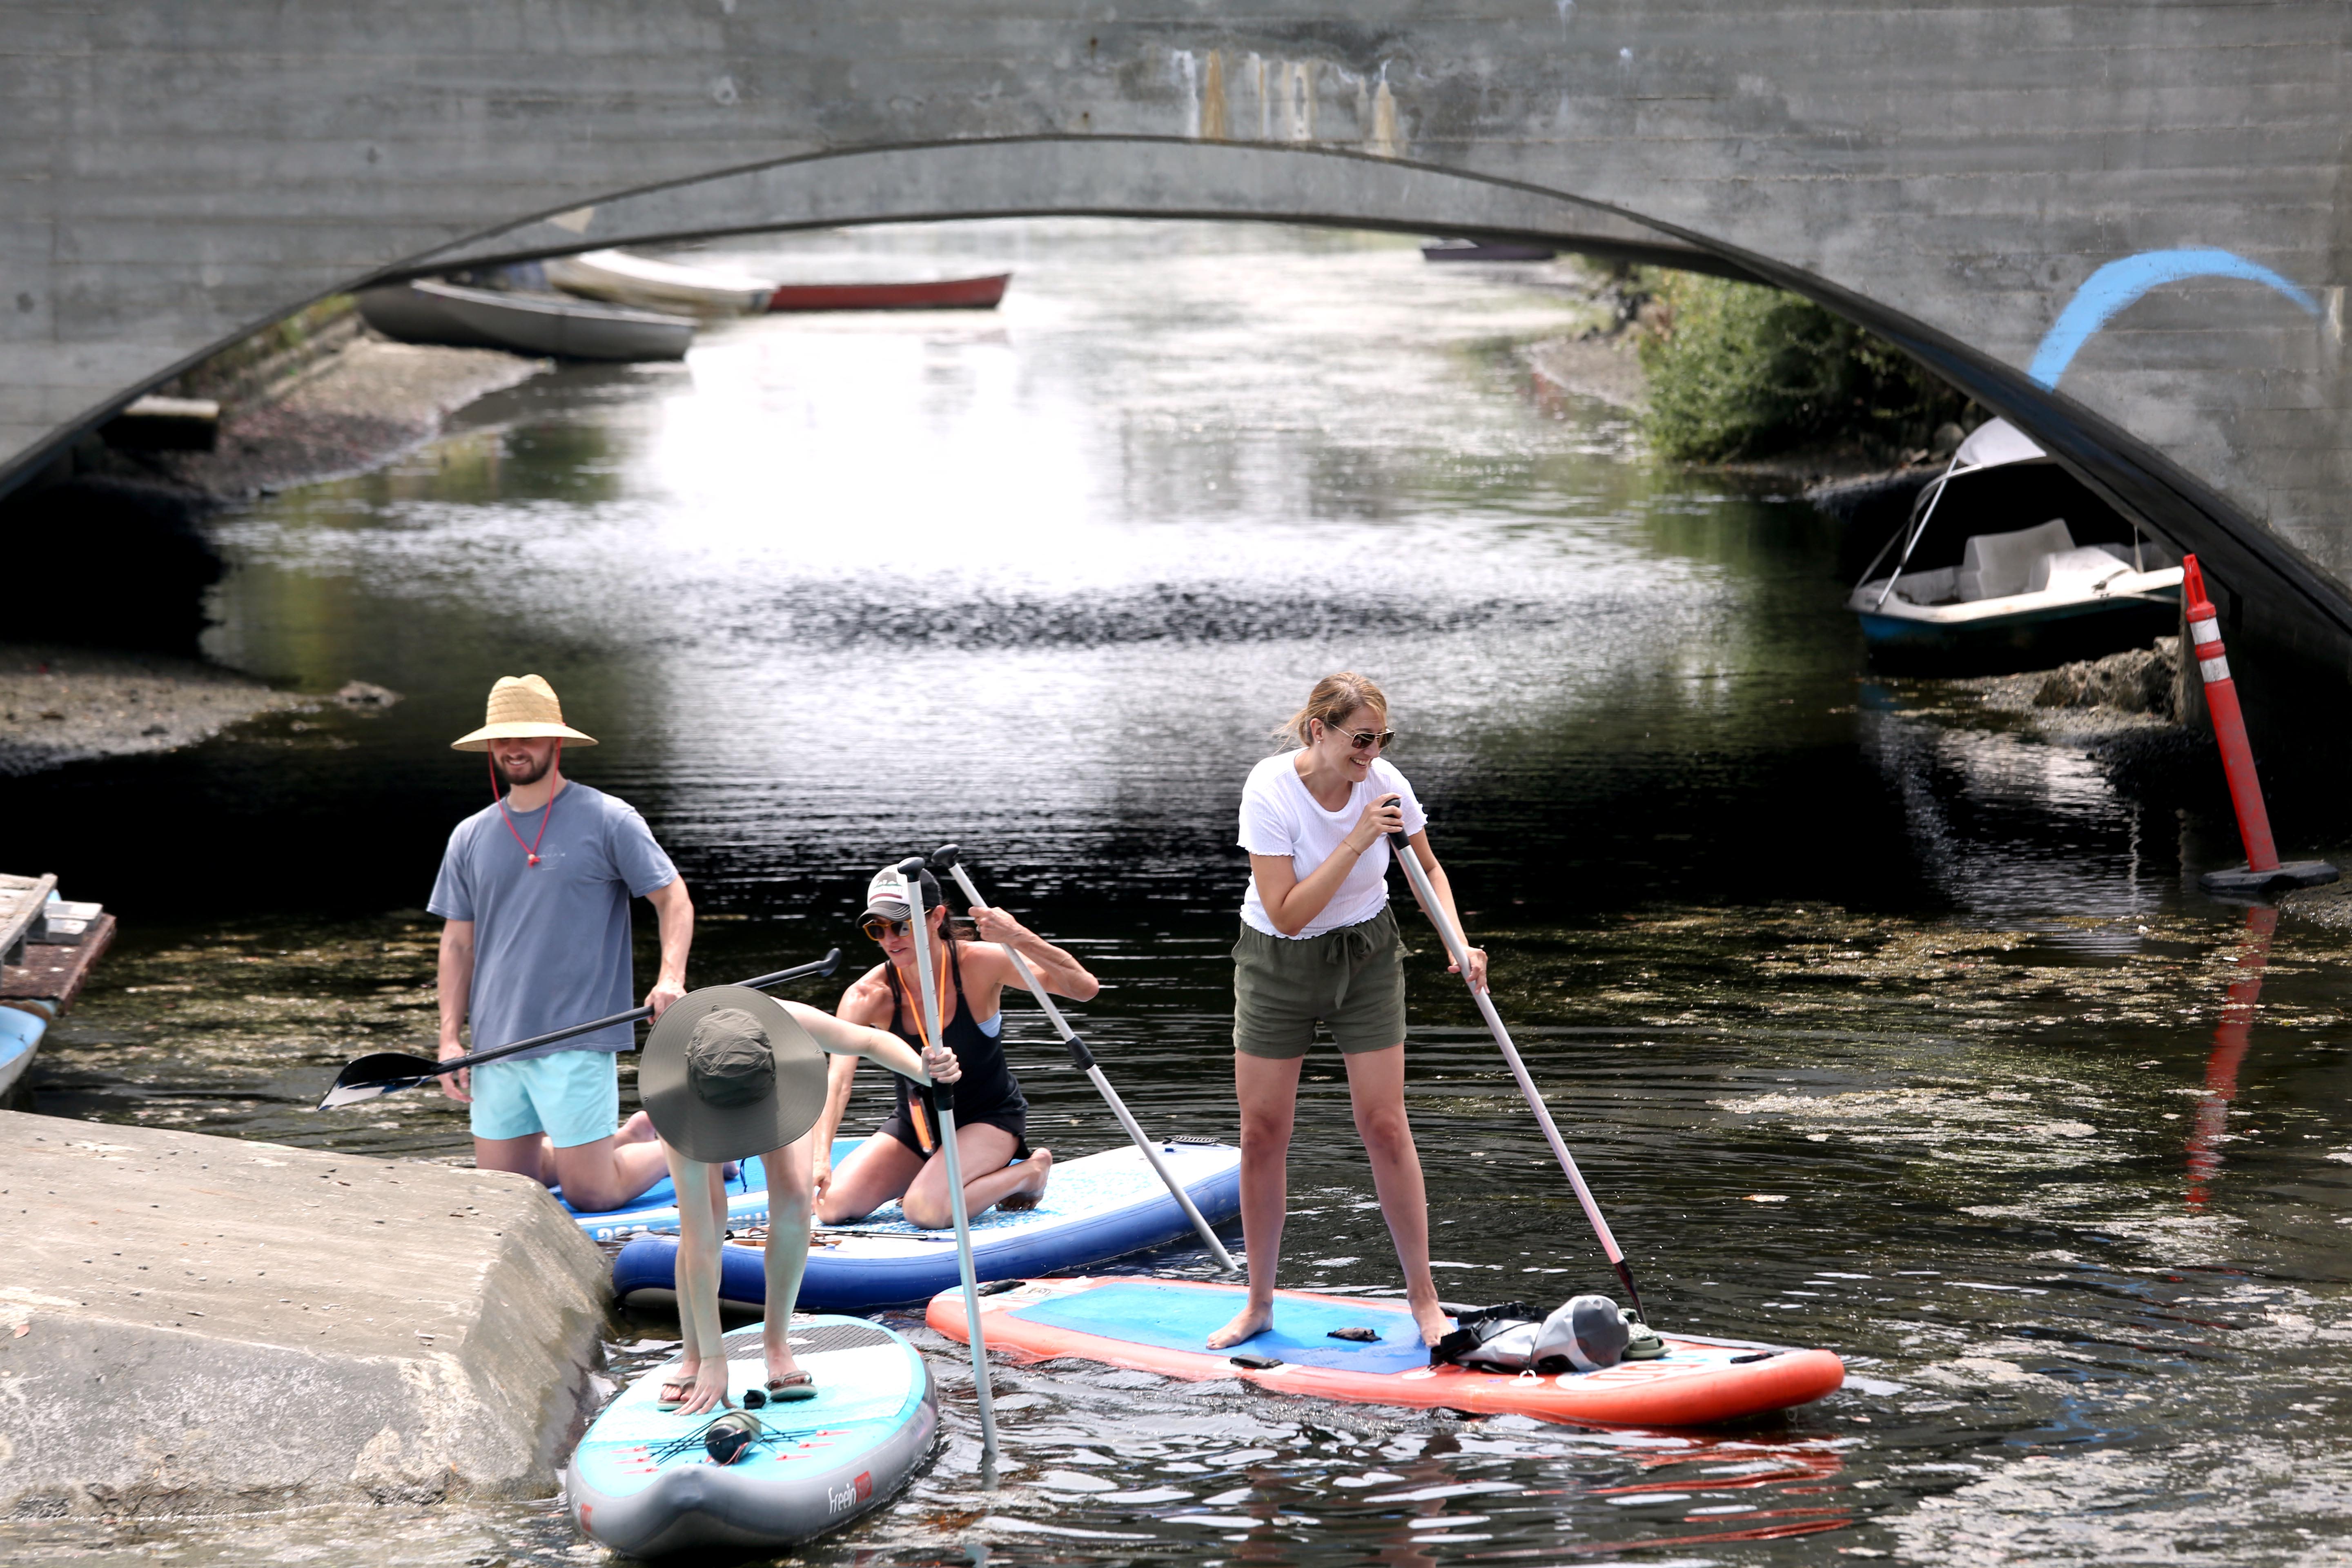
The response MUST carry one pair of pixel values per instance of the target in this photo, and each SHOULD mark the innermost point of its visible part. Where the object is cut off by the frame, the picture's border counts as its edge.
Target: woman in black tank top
(903, 1160)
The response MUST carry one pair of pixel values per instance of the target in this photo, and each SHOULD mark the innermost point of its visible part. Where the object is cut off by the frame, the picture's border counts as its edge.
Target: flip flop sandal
(672, 1394)
(793, 1386)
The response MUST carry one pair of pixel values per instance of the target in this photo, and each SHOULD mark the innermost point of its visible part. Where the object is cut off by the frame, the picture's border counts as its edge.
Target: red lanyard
(531, 851)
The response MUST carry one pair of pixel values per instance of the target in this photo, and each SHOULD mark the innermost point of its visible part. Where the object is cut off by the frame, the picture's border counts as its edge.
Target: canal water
(1877, 1022)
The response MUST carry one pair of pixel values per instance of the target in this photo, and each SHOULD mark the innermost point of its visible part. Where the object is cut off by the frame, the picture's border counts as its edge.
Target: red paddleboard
(947, 294)
(1160, 1326)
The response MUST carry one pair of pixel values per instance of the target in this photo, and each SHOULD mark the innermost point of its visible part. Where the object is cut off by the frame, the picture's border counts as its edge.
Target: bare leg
(984, 1153)
(878, 1172)
(1376, 1090)
(703, 1349)
(596, 1177)
(790, 1203)
(1268, 1092)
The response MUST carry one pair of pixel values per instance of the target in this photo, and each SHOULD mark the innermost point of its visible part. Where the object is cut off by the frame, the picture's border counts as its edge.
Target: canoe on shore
(1096, 1207)
(1487, 250)
(427, 311)
(625, 280)
(945, 294)
(1160, 1326)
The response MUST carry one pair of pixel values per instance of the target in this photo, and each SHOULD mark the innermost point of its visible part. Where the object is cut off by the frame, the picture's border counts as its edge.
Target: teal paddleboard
(643, 1480)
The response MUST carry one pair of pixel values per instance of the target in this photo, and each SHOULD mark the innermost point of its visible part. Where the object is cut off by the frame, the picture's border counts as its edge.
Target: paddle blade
(378, 1074)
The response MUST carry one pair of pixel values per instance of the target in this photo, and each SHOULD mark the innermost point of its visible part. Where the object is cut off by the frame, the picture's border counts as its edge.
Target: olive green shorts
(1351, 980)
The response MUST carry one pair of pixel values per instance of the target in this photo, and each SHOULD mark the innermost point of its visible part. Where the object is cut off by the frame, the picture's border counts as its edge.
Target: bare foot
(1248, 1323)
(1432, 1321)
(1033, 1171)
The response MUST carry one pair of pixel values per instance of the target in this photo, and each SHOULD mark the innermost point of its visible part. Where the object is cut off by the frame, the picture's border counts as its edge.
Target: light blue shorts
(574, 1096)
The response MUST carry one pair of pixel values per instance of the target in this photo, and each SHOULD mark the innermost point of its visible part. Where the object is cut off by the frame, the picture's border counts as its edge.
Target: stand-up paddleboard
(1098, 1208)
(644, 1482)
(1161, 1326)
(657, 1207)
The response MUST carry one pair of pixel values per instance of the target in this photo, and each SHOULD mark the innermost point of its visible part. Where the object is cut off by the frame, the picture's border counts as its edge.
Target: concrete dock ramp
(190, 1325)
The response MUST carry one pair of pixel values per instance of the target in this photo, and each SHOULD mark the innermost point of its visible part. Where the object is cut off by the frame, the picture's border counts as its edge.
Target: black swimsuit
(986, 1092)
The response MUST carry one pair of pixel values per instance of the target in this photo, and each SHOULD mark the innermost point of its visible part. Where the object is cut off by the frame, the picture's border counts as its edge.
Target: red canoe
(1157, 1326)
(946, 294)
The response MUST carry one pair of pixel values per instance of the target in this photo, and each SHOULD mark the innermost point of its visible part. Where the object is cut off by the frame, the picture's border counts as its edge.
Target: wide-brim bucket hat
(520, 708)
(688, 1122)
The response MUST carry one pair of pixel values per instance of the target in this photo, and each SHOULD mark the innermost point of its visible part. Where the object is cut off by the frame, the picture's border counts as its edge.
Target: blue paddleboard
(643, 1482)
(657, 1207)
(1101, 1206)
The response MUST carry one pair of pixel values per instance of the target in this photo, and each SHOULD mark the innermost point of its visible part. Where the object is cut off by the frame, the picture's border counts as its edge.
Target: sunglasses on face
(1365, 739)
(880, 929)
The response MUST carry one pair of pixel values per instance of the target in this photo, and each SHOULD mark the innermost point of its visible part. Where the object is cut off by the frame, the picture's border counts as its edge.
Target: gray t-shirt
(550, 940)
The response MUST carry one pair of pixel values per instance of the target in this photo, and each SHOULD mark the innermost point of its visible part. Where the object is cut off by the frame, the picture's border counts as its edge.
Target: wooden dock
(55, 974)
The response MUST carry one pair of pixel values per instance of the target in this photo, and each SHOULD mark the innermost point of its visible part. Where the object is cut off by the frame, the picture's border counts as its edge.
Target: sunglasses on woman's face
(1364, 740)
(881, 930)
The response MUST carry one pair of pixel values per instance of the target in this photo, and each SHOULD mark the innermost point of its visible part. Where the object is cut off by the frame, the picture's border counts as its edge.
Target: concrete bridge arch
(1965, 179)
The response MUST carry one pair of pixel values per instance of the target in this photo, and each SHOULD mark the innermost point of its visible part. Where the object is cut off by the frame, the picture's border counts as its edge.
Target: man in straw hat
(534, 890)
(728, 1073)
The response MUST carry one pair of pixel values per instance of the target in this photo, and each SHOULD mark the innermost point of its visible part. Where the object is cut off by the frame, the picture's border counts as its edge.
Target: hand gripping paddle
(1459, 951)
(948, 859)
(387, 1070)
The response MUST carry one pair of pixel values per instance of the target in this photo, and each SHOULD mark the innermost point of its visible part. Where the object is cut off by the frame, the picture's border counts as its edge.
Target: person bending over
(903, 1160)
(730, 1073)
(534, 892)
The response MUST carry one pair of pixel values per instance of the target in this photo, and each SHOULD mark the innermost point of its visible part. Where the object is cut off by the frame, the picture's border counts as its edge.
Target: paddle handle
(932, 1031)
(1457, 948)
(948, 857)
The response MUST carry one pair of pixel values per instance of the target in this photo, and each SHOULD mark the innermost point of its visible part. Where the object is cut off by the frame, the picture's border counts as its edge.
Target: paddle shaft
(1458, 949)
(799, 972)
(1084, 1060)
(919, 929)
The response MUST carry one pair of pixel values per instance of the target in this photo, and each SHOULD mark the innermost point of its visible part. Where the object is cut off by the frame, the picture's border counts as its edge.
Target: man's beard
(529, 772)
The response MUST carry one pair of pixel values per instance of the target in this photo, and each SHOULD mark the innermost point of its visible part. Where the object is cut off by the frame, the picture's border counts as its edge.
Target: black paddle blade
(1625, 1275)
(378, 1074)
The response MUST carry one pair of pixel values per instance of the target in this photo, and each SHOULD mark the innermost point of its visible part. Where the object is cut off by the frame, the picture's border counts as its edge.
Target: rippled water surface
(1877, 1023)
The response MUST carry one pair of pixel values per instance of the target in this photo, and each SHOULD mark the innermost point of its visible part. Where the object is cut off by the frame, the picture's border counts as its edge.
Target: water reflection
(2008, 824)
(2231, 1036)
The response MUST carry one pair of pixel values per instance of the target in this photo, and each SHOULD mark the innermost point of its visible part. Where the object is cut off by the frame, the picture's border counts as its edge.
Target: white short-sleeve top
(1280, 817)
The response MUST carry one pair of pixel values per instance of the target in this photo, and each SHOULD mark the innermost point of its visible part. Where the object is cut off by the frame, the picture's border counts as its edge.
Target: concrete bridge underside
(2121, 224)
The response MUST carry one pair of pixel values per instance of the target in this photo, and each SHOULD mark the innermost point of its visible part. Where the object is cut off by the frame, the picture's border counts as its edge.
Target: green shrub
(1738, 370)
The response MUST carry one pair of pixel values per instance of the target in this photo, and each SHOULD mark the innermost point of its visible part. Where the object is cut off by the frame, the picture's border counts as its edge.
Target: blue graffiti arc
(2118, 283)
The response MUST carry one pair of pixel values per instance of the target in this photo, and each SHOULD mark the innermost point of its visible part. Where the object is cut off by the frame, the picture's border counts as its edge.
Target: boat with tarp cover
(2009, 562)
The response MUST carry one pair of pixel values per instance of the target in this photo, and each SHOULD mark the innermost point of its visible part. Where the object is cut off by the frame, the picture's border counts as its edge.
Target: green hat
(728, 1074)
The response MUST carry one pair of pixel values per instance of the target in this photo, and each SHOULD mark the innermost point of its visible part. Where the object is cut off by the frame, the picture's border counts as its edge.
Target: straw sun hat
(728, 1074)
(521, 706)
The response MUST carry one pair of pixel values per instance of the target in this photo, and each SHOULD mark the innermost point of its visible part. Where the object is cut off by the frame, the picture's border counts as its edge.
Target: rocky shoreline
(351, 412)
(62, 705)
(344, 411)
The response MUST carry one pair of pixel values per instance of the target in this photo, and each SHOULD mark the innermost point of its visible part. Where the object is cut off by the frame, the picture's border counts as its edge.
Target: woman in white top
(1318, 944)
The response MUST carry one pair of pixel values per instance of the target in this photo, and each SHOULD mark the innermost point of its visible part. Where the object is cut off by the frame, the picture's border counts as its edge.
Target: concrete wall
(189, 1325)
(1954, 173)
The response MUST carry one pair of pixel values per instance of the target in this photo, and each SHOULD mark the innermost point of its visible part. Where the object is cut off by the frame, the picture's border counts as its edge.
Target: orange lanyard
(916, 1014)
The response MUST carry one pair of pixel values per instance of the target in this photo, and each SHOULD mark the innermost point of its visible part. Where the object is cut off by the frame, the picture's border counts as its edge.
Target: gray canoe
(427, 311)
